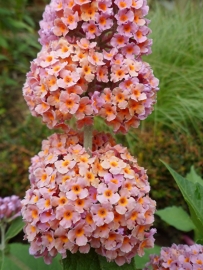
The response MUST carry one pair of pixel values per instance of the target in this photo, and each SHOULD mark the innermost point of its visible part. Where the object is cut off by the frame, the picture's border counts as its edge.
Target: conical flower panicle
(10, 208)
(77, 201)
(81, 75)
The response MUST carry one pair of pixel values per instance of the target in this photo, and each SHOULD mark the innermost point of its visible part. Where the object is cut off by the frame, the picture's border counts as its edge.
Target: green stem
(3, 244)
(88, 130)
(3, 230)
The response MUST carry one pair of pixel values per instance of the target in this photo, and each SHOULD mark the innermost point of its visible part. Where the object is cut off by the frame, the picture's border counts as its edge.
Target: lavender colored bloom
(177, 257)
(9, 208)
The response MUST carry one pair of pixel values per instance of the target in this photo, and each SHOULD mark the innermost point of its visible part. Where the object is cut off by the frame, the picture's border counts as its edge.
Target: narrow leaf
(200, 241)
(20, 259)
(15, 227)
(176, 217)
(192, 193)
(198, 232)
(194, 177)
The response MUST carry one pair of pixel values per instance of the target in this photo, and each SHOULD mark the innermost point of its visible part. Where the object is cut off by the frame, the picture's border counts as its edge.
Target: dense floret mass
(10, 208)
(79, 200)
(177, 257)
(119, 24)
(81, 81)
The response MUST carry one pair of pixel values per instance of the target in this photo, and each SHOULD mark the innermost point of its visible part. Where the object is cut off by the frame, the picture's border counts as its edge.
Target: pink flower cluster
(78, 201)
(119, 24)
(10, 208)
(75, 80)
(177, 257)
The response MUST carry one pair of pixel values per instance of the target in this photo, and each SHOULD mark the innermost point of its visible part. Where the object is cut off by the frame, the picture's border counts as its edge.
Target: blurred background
(174, 131)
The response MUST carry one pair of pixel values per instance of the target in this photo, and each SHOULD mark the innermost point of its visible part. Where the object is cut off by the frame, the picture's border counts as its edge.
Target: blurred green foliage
(19, 133)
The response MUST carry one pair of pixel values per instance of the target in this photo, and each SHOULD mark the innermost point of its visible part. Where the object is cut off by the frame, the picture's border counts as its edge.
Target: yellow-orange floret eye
(122, 4)
(76, 189)
(89, 219)
(139, 34)
(117, 216)
(64, 49)
(123, 18)
(123, 201)
(127, 170)
(90, 176)
(65, 163)
(34, 214)
(114, 163)
(62, 200)
(127, 28)
(70, 103)
(59, 144)
(114, 180)
(68, 79)
(84, 159)
(65, 178)
(119, 73)
(64, 238)
(126, 240)
(35, 199)
(44, 177)
(120, 97)
(52, 82)
(49, 238)
(79, 232)
(108, 193)
(33, 228)
(49, 58)
(80, 202)
(102, 6)
(102, 21)
(92, 29)
(187, 259)
(109, 111)
(68, 215)
(128, 186)
(102, 212)
(87, 69)
(47, 203)
(134, 216)
(70, 19)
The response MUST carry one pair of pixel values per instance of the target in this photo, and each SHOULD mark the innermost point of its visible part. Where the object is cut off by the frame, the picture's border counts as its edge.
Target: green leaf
(1, 259)
(79, 261)
(194, 177)
(198, 233)
(104, 265)
(5, 12)
(199, 241)
(176, 217)
(192, 193)
(3, 42)
(19, 259)
(92, 261)
(16, 226)
(3, 57)
(141, 261)
(19, 25)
